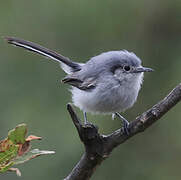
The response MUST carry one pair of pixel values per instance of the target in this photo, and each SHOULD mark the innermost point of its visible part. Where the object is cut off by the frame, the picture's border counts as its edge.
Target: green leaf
(15, 149)
(17, 135)
(8, 155)
(6, 167)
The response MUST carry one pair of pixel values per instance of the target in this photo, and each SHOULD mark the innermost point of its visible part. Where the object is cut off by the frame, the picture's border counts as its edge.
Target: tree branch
(98, 147)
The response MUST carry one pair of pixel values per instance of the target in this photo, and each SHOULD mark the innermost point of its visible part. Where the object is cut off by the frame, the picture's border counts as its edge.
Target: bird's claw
(126, 126)
(125, 123)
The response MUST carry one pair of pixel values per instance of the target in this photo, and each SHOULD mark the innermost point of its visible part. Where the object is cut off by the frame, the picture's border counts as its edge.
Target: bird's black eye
(127, 68)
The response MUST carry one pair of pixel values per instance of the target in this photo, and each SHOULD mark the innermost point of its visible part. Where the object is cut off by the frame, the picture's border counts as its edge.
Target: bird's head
(124, 65)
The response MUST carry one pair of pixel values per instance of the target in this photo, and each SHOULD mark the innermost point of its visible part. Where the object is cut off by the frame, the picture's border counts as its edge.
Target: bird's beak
(142, 69)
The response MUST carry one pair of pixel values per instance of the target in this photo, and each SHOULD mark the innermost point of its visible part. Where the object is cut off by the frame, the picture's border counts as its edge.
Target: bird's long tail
(43, 51)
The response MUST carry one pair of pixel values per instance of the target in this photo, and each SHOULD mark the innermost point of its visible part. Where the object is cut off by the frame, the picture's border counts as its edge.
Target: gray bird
(108, 83)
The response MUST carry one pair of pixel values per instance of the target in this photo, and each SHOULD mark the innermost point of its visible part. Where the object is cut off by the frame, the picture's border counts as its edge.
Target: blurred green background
(31, 91)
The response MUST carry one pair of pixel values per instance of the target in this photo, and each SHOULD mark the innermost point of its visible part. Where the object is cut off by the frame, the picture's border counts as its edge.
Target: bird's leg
(125, 123)
(85, 118)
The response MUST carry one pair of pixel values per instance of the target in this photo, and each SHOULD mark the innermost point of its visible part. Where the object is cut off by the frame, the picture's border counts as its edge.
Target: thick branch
(98, 147)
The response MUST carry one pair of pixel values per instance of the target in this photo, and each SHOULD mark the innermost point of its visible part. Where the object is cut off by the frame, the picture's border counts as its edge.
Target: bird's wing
(86, 84)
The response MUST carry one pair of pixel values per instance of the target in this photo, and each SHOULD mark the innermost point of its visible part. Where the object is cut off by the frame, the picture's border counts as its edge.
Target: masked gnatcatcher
(108, 83)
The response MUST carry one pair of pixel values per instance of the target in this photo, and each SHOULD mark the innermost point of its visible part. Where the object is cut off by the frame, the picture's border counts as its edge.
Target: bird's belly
(107, 101)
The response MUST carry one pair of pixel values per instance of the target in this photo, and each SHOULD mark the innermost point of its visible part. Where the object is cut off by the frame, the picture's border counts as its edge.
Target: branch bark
(98, 146)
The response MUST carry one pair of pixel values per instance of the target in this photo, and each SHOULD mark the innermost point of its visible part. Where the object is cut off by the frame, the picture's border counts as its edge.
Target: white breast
(109, 99)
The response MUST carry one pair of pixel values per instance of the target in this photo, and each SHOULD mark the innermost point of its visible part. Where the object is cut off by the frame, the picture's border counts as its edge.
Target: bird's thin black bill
(142, 69)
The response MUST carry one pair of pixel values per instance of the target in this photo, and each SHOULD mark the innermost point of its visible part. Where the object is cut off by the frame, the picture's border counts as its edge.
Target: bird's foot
(126, 127)
(125, 123)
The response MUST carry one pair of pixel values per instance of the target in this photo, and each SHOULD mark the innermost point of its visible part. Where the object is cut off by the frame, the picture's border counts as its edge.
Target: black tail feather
(43, 51)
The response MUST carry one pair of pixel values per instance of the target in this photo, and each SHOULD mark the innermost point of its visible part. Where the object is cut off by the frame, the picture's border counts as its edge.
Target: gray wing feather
(86, 84)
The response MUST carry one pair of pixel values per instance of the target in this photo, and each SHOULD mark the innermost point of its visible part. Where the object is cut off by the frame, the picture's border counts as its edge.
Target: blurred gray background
(31, 91)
